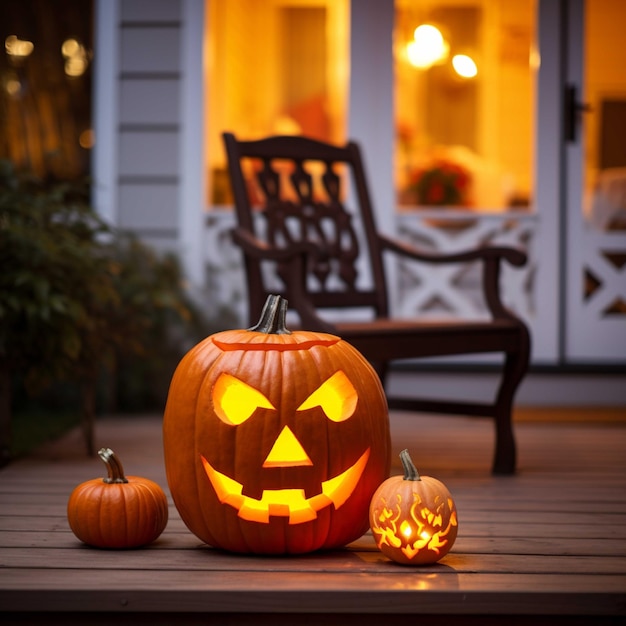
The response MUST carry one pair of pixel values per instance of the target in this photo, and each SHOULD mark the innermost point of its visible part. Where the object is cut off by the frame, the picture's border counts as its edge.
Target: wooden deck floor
(543, 547)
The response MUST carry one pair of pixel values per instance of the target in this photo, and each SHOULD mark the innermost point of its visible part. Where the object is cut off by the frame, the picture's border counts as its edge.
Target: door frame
(591, 336)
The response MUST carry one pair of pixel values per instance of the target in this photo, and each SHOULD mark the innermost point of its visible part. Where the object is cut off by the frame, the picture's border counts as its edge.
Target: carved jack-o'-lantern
(413, 518)
(275, 441)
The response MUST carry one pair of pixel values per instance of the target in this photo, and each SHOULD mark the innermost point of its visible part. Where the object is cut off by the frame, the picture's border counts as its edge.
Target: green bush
(82, 303)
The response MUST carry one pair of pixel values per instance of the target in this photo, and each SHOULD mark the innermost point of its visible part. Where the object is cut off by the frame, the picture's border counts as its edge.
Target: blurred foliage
(82, 303)
(54, 286)
(154, 325)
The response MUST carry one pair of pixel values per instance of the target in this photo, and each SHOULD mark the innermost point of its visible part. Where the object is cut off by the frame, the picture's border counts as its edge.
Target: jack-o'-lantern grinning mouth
(291, 503)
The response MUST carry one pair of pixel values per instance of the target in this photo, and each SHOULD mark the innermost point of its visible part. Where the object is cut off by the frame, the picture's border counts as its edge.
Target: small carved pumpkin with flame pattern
(413, 518)
(275, 441)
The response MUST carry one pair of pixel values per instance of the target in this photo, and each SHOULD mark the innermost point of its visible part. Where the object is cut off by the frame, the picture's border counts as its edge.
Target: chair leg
(505, 458)
(515, 368)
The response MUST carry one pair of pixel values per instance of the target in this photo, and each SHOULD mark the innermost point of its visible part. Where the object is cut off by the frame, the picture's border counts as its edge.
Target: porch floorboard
(547, 545)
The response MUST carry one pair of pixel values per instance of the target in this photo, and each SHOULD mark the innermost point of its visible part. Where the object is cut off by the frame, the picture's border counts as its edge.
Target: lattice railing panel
(603, 283)
(455, 289)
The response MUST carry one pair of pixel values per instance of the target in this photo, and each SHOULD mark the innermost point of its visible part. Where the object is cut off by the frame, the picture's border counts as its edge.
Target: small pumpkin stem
(410, 471)
(114, 466)
(273, 317)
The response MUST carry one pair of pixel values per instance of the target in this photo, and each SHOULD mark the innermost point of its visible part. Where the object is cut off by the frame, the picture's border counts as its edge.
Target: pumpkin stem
(114, 466)
(410, 471)
(273, 317)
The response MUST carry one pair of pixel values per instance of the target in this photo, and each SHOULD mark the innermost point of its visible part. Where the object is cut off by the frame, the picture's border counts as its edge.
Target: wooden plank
(159, 557)
(225, 591)
(520, 518)
(590, 546)
(20, 524)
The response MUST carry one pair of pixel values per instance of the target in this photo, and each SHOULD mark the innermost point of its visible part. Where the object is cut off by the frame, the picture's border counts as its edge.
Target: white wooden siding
(140, 170)
(149, 121)
(148, 47)
(149, 101)
(155, 10)
(148, 152)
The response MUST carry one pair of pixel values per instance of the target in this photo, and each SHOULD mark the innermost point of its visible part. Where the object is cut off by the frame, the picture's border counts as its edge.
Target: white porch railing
(416, 289)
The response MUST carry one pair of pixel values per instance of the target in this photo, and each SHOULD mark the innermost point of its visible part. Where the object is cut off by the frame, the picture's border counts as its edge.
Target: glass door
(595, 190)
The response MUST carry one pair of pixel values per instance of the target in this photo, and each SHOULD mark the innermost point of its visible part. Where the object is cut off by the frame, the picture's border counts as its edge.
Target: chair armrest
(490, 257)
(513, 255)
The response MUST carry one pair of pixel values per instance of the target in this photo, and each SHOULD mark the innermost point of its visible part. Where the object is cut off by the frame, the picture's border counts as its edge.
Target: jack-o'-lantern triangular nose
(287, 451)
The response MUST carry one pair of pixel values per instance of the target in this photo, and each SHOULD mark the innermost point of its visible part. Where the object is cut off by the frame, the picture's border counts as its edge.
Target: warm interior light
(87, 139)
(70, 47)
(428, 47)
(18, 47)
(76, 59)
(405, 529)
(287, 451)
(464, 66)
(291, 503)
(336, 396)
(235, 401)
(534, 59)
(13, 86)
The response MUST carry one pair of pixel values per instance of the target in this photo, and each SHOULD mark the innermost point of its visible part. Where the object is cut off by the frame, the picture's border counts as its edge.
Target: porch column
(370, 113)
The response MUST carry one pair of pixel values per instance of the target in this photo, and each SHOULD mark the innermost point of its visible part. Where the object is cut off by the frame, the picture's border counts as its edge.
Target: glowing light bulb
(18, 47)
(70, 48)
(13, 86)
(464, 65)
(76, 57)
(428, 46)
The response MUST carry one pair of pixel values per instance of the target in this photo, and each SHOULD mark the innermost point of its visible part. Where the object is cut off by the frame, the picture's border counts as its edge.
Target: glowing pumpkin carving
(413, 518)
(275, 441)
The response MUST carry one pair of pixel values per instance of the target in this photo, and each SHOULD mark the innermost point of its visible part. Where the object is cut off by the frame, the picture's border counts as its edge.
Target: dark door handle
(572, 110)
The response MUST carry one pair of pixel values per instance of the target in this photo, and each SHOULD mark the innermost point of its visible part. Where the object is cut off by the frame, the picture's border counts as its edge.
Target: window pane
(465, 103)
(276, 67)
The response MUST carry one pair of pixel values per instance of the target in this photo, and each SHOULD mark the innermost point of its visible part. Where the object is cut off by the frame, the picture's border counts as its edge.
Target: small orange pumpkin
(413, 518)
(117, 511)
(274, 440)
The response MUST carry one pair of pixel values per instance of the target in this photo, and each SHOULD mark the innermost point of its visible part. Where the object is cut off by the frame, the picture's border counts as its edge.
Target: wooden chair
(315, 235)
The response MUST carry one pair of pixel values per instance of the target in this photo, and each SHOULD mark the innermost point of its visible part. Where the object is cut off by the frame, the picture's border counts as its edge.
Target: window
(275, 67)
(464, 101)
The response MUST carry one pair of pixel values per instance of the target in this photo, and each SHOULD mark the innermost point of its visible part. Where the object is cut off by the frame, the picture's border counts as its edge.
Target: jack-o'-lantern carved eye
(235, 401)
(337, 397)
